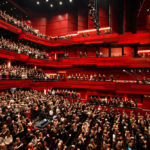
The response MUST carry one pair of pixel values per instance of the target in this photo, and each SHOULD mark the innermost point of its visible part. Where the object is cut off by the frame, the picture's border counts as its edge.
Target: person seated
(111, 78)
(18, 145)
(91, 77)
(104, 77)
(94, 76)
(99, 77)
(97, 54)
(144, 80)
(80, 54)
(85, 54)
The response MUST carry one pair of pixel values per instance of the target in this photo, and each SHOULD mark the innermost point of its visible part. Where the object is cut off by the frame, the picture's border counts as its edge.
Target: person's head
(2, 146)
(17, 139)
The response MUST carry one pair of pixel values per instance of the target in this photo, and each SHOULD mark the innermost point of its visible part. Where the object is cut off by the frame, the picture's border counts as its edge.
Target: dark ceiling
(49, 5)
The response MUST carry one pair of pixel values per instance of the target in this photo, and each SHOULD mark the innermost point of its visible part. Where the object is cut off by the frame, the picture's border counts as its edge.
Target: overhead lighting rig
(93, 12)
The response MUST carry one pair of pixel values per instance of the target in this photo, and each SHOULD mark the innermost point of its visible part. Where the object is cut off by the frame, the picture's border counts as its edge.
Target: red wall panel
(72, 21)
(104, 13)
(40, 23)
(116, 51)
(128, 51)
(104, 51)
(57, 24)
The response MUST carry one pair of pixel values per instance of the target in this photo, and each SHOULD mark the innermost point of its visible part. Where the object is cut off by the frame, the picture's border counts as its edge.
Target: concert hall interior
(74, 75)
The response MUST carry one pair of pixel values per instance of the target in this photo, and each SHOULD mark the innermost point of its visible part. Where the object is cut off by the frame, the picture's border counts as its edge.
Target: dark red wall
(104, 13)
(40, 23)
(57, 24)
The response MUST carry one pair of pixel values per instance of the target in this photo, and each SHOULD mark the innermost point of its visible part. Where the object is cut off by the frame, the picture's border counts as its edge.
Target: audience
(71, 125)
(20, 72)
(22, 49)
(20, 24)
(99, 77)
(66, 93)
(91, 77)
(115, 102)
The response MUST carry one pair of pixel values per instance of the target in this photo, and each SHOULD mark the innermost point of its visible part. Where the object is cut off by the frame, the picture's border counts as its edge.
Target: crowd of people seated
(20, 48)
(91, 77)
(114, 102)
(20, 72)
(73, 126)
(99, 77)
(66, 93)
(20, 24)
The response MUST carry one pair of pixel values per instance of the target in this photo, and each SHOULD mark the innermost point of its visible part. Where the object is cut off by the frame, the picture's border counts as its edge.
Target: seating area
(21, 73)
(70, 125)
(113, 102)
(111, 78)
(74, 75)
(7, 44)
(20, 24)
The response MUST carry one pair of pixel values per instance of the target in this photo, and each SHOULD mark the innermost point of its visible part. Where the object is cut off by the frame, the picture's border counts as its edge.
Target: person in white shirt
(8, 139)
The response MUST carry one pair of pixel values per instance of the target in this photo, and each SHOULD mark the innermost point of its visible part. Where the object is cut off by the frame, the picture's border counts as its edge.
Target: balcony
(87, 85)
(9, 27)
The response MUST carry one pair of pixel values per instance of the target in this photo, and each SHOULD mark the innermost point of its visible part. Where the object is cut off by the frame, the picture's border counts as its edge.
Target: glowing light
(144, 51)
(38, 3)
(107, 28)
(70, 1)
(51, 5)
(60, 3)
(47, 0)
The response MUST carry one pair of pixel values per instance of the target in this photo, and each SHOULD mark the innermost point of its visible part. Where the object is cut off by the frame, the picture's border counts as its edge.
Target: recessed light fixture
(38, 3)
(70, 1)
(51, 5)
(60, 3)
(46, 0)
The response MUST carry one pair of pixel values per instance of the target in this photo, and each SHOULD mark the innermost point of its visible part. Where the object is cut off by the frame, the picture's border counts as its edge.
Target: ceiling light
(60, 3)
(46, 0)
(38, 3)
(70, 1)
(51, 5)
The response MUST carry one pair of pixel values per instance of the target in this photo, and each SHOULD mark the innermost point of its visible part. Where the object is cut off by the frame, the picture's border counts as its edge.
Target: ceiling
(49, 5)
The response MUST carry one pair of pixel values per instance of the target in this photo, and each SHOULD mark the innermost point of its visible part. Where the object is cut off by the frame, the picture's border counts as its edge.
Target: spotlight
(70, 1)
(38, 3)
(46, 0)
(51, 5)
(60, 3)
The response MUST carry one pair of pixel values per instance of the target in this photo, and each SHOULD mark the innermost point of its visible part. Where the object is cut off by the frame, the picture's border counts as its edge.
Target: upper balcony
(80, 37)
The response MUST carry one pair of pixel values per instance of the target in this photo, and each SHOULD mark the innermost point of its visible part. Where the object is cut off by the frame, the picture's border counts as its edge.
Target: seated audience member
(97, 54)
(91, 77)
(104, 77)
(100, 54)
(18, 145)
(85, 54)
(144, 80)
(99, 77)
(80, 54)
(111, 77)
